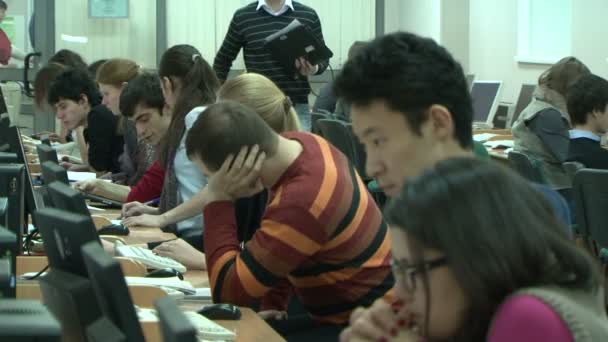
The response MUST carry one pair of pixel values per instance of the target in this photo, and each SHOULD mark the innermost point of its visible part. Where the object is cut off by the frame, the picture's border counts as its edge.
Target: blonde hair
(262, 95)
(117, 71)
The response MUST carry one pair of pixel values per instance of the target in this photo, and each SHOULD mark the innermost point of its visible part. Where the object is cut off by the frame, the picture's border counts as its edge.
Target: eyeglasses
(401, 269)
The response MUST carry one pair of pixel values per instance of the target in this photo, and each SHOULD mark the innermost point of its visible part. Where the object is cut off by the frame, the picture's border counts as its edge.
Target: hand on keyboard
(147, 257)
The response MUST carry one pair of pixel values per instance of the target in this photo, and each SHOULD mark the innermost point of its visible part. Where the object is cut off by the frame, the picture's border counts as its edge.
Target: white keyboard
(209, 330)
(148, 258)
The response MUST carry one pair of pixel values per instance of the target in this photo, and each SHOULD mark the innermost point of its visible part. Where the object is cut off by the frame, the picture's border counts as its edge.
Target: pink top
(526, 318)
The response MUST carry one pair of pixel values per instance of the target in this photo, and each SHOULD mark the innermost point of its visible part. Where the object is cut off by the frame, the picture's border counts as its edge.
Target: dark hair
(199, 85)
(561, 75)
(143, 90)
(71, 85)
(223, 129)
(3, 5)
(93, 67)
(498, 233)
(411, 74)
(355, 48)
(69, 58)
(44, 77)
(588, 94)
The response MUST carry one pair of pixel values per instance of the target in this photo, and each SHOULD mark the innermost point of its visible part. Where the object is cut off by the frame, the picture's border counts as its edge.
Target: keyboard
(147, 257)
(208, 329)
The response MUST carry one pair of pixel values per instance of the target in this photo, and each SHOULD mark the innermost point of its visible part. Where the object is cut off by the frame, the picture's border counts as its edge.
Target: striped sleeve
(233, 42)
(284, 241)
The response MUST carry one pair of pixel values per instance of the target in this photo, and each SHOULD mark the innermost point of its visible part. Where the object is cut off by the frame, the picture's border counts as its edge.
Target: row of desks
(249, 328)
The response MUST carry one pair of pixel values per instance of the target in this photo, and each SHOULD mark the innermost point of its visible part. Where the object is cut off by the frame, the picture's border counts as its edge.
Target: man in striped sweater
(249, 27)
(322, 234)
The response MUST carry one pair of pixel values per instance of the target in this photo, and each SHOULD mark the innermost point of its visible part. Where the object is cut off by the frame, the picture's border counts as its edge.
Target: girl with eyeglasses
(479, 255)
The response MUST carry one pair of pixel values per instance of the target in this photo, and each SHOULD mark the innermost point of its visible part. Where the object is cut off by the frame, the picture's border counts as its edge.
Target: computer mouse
(114, 229)
(165, 273)
(221, 312)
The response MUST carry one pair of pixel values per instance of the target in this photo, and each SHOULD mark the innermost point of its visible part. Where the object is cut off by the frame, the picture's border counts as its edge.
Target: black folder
(294, 41)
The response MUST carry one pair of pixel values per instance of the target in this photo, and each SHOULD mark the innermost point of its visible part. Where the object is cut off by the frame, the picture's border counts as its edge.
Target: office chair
(316, 116)
(572, 168)
(526, 167)
(339, 135)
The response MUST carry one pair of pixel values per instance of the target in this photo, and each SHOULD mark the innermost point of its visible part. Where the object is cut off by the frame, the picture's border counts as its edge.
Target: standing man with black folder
(249, 27)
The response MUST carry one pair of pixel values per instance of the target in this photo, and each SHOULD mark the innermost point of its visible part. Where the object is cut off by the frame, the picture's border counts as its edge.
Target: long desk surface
(251, 327)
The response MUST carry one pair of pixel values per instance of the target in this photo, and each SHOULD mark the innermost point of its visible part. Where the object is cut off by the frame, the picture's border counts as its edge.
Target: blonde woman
(274, 107)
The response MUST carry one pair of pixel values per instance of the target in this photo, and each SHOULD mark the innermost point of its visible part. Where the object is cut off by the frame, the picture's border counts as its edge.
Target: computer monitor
(53, 172)
(63, 234)
(46, 153)
(64, 197)
(8, 261)
(111, 291)
(27, 321)
(11, 186)
(524, 99)
(485, 100)
(8, 158)
(174, 325)
(32, 202)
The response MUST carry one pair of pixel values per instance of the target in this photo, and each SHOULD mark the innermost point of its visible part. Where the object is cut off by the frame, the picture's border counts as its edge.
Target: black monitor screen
(174, 325)
(46, 153)
(63, 234)
(52, 172)
(12, 180)
(524, 99)
(17, 147)
(27, 321)
(483, 95)
(111, 291)
(64, 197)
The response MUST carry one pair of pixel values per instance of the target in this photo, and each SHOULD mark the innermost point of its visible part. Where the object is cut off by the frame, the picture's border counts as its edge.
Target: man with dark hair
(321, 234)
(248, 28)
(588, 109)
(77, 103)
(411, 108)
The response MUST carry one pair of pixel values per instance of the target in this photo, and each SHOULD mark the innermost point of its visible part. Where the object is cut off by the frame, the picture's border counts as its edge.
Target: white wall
(133, 37)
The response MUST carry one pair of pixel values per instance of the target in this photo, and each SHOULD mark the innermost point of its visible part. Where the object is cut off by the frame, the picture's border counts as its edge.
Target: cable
(37, 274)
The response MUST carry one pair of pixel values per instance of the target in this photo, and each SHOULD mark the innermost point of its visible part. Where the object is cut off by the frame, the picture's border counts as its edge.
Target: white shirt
(287, 4)
(579, 133)
(190, 179)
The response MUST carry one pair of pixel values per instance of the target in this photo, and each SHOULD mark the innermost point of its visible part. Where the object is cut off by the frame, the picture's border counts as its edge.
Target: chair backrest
(360, 154)
(316, 116)
(525, 167)
(572, 167)
(338, 134)
(591, 200)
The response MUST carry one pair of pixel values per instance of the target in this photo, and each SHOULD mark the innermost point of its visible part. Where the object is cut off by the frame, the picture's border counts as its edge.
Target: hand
(380, 321)
(182, 252)
(89, 186)
(145, 220)
(136, 209)
(305, 68)
(242, 179)
(66, 165)
(273, 314)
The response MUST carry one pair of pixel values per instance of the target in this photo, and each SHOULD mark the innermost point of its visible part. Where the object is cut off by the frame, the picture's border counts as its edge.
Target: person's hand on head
(239, 176)
(380, 322)
(305, 68)
(182, 252)
(136, 209)
(144, 220)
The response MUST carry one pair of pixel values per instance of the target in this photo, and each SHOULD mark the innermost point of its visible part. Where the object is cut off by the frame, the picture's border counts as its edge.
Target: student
(112, 76)
(411, 108)
(531, 284)
(541, 131)
(588, 109)
(248, 28)
(7, 49)
(93, 67)
(69, 58)
(322, 234)
(189, 84)
(270, 103)
(142, 102)
(78, 104)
